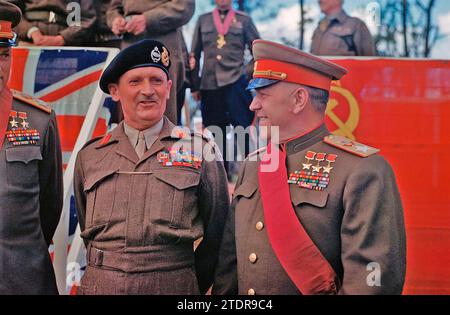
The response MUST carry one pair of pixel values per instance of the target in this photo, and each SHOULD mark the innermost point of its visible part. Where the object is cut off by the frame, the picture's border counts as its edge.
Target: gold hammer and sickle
(347, 128)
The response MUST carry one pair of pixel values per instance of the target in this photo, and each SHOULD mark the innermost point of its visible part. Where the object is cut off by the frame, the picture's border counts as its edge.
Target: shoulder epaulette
(91, 141)
(350, 146)
(27, 99)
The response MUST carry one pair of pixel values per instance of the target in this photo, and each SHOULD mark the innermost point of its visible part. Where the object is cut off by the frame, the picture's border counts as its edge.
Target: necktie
(140, 146)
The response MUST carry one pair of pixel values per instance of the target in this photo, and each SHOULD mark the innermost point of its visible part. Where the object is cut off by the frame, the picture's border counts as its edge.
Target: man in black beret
(30, 179)
(144, 192)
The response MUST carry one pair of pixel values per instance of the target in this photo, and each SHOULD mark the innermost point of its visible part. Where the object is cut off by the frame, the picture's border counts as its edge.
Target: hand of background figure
(118, 25)
(136, 24)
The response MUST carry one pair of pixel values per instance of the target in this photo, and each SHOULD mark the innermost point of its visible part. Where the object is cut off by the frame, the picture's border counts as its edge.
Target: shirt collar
(150, 134)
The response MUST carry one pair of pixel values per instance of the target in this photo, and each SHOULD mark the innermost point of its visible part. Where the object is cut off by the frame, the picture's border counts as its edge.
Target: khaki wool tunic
(139, 219)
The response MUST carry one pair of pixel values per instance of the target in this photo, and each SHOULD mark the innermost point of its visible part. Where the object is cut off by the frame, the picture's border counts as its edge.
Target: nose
(255, 104)
(147, 89)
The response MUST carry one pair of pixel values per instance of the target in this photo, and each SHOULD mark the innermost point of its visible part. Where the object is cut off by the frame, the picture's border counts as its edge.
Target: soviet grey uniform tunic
(30, 205)
(355, 221)
(139, 218)
(223, 66)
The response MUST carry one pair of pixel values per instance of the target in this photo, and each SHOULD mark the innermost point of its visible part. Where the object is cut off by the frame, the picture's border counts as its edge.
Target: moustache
(147, 99)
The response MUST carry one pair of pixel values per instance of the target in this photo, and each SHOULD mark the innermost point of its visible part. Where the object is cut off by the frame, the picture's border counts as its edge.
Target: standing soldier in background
(223, 35)
(31, 185)
(160, 20)
(103, 36)
(339, 34)
(45, 23)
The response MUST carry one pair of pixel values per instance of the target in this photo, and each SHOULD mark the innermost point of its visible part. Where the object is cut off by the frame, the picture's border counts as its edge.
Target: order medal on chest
(223, 27)
(19, 132)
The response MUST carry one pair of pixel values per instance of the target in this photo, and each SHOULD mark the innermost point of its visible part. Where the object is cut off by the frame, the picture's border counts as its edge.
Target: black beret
(10, 16)
(145, 53)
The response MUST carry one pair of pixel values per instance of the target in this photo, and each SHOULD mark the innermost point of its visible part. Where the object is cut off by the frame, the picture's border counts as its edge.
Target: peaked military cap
(145, 53)
(275, 63)
(10, 16)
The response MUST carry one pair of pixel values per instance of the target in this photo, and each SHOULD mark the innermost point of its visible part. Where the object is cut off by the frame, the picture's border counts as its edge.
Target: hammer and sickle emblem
(346, 128)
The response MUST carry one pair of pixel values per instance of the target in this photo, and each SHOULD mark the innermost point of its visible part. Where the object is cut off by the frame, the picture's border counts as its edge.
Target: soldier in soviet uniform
(45, 23)
(157, 19)
(339, 34)
(144, 193)
(31, 179)
(223, 36)
(312, 213)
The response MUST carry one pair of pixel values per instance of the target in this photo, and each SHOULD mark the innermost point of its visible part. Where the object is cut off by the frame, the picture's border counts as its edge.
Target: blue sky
(285, 24)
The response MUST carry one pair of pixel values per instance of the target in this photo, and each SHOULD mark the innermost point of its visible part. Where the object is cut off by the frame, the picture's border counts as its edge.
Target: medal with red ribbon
(222, 28)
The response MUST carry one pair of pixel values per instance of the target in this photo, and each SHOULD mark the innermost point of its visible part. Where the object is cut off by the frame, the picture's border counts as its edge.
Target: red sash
(222, 28)
(5, 108)
(299, 256)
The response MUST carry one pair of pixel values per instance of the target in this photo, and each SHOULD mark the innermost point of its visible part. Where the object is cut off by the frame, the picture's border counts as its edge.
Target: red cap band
(284, 71)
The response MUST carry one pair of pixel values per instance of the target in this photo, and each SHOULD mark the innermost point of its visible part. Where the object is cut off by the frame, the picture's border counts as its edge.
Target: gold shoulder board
(350, 146)
(31, 101)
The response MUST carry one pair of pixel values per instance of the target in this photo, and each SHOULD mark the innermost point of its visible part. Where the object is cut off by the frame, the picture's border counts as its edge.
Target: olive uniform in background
(342, 35)
(50, 17)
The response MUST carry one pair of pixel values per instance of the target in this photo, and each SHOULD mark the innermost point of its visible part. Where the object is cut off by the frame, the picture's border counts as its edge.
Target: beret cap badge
(156, 55)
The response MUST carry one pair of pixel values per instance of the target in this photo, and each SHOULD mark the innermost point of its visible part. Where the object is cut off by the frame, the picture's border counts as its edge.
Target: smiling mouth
(147, 102)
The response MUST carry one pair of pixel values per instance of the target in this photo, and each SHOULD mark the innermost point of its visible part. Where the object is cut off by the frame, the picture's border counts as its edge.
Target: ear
(301, 98)
(114, 91)
(169, 86)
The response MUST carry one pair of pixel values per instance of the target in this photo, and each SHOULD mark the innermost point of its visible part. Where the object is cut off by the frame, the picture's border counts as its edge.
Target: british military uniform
(50, 17)
(31, 187)
(321, 220)
(342, 35)
(103, 36)
(140, 213)
(223, 38)
(164, 21)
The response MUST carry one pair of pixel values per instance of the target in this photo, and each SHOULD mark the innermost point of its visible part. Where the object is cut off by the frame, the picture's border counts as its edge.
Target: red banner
(403, 108)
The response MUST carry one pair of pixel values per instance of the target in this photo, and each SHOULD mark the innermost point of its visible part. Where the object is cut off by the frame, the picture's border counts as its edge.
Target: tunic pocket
(209, 34)
(22, 166)
(176, 191)
(304, 196)
(100, 190)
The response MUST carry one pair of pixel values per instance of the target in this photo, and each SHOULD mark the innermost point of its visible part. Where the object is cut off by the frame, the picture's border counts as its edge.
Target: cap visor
(257, 83)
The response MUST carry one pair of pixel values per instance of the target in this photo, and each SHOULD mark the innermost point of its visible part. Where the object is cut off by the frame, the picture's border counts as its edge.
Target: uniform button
(253, 258)
(251, 291)
(219, 57)
(259, 226)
